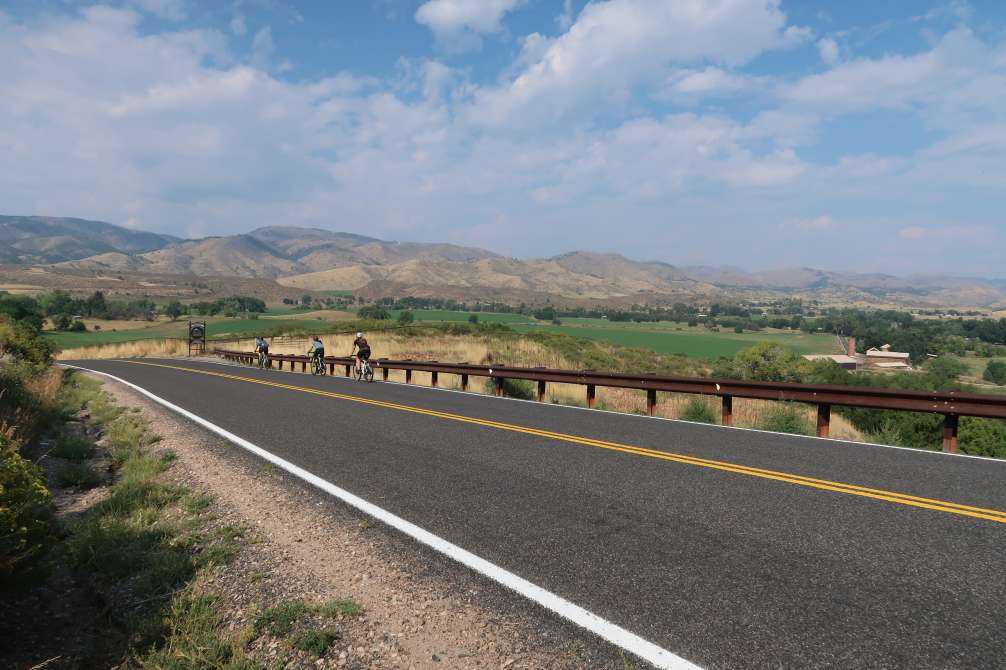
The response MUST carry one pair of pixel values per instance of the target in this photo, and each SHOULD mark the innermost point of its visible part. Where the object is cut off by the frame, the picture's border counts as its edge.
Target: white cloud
(945, 233)
(616, 45)
(828, 49)
(238, 25)
(565, 19)
(458, 23)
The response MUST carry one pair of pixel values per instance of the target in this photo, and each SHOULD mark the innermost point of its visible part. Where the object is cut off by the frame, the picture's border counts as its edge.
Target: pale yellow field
(478, 350)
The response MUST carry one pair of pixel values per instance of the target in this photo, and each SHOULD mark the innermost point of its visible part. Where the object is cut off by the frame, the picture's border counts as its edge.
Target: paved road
(729, 548)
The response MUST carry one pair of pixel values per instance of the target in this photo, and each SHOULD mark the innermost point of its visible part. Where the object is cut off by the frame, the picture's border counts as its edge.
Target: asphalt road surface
(729, 548)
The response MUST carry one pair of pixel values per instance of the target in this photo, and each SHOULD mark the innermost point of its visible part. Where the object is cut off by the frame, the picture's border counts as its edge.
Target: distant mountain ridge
(317, 259)
(45, 239)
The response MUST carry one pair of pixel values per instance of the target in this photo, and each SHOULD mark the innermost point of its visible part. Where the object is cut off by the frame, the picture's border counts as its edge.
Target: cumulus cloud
(615, 46)
(184, 131)
(459, 23)
(828, 50)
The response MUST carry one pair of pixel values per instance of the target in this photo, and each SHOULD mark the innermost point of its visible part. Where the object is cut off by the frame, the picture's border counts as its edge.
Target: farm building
(843, 361)
(885, 359)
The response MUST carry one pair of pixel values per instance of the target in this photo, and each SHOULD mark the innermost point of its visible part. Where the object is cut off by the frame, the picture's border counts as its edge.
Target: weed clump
(699, 411)
(786, 419)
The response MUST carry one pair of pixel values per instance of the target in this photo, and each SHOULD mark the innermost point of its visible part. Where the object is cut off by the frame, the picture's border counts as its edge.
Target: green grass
(448, 316)
(279, 620)
(786, 418)
(314, 641)
(79, 475)
(694, 343)
(342, 607)
(73, 448)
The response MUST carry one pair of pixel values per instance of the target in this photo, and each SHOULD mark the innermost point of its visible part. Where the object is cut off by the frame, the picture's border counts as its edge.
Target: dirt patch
(309, 550)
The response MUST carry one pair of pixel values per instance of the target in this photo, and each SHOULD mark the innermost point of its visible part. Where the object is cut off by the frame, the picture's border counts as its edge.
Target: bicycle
(263, 359)
(317, 365)
(364, 371)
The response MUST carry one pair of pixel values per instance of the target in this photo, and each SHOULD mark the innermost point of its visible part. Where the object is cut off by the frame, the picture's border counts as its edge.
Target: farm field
(217, 327)
(663, 336)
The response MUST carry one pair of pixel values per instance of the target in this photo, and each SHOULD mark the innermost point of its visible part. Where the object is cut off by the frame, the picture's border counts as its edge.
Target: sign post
(197, 337)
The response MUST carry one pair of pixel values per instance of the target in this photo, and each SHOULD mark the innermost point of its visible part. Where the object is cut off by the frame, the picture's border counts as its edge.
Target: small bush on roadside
(79, 475)
(315, 642)
(995, 372)
(513, 388)
(25, 507)
(337, 608)
(786, 419)
(73, 448)
(279, 620)
(699, 411)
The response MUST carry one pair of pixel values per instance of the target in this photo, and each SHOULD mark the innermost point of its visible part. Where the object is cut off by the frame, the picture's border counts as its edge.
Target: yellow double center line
(799, 480)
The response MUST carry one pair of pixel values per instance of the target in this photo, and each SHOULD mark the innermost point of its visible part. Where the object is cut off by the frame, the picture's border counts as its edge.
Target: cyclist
(362, 350)
(317, 349)
(262, 348)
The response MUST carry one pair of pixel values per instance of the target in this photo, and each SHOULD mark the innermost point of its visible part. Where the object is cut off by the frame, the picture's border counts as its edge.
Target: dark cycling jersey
(361, 342)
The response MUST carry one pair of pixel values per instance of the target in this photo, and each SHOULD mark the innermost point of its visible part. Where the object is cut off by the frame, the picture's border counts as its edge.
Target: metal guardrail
(951, 404)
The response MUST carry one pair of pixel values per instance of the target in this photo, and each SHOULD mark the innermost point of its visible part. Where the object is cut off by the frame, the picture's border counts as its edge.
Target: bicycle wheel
(368, 374)
(358, 372)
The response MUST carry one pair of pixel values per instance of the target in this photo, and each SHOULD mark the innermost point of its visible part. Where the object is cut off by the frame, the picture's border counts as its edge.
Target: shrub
(786, 419)
(995, 372)
(406, 317)
(25, 508)
(73, 448)
(699, 411)
(79, 475)
(982, 437)
(514, 388)
(315, 642)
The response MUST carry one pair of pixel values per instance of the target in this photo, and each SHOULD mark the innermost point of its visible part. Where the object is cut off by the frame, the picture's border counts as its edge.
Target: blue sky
(857, 136)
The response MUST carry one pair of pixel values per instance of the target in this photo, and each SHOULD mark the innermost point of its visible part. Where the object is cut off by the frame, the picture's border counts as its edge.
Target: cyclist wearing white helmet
(361, 349)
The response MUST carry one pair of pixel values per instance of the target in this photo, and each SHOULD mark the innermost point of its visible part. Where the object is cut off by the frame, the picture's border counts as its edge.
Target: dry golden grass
(135, 349)
(478, 350)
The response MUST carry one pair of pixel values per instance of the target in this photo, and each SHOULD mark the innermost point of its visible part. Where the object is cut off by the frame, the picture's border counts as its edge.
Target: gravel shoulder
(419, 609)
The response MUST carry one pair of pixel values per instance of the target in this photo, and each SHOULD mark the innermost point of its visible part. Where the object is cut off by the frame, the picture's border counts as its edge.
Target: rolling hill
(317, 259)
(45, 239)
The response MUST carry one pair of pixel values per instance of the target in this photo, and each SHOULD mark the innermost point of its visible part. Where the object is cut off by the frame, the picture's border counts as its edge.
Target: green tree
(983, 437)
(473, 318)
(306, 299)
(373, 312)
(62, 321)
(767, 361)
(174, 309)
(946, 369)
(995, 372)
(406, 317)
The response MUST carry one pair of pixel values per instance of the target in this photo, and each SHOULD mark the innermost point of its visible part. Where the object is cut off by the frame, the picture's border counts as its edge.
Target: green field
(216, 329)
(663, 336)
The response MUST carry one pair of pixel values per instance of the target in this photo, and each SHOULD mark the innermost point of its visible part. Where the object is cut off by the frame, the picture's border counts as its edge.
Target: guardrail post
(541, 391)
(347, 370)
(591, 395)
(464, 382)
(433, 378)
(499, 386)
(727, 416)
(823, 419)
(651, 401)
(303, 366)
(950, 422)
(280, 364)
(384, 371)
(408, 376)
(331, 369)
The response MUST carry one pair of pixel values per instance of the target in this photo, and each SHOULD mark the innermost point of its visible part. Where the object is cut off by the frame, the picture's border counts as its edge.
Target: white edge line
(850, 443)
(613, 633)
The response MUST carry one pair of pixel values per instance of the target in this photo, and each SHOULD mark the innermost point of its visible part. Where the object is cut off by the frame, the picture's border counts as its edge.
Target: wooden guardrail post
(408, 376)
(591, 396)
(499, 386)
(541, 391)
(727, 415)
(303, 366)
(823, 419)
(347, 370)
(331, 369)
(384, 372)
(433, 378)
(464, 382)
(651, 401)
(950, 422)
